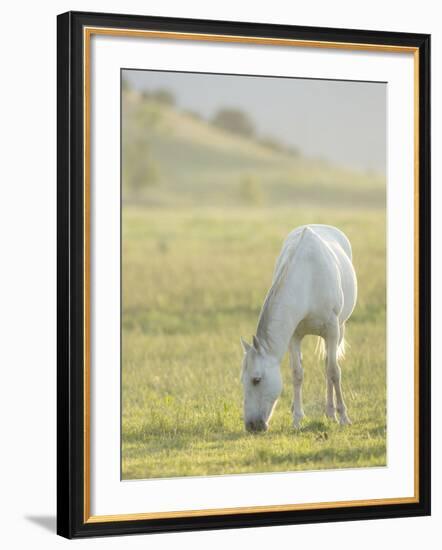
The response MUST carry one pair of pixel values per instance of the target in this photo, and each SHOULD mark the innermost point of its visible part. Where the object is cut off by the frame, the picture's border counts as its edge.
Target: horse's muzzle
(256, 426)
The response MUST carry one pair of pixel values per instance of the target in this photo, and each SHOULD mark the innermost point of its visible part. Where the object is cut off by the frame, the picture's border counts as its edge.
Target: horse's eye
(256, 380)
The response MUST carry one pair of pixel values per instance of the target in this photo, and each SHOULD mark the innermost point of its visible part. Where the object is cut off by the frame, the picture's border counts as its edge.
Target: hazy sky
(342, 121)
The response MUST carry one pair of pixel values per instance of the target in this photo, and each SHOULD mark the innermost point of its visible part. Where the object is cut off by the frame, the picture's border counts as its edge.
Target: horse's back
(328, 233)
(328, 251)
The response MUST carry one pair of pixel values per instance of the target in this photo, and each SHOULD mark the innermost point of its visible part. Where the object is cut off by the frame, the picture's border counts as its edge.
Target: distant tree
(250, 190)
(145, 94)
(139, 168)
(236, 121)
(125, 84)
(272, 143)
(292, 150)
(275, 145)
(164, 96)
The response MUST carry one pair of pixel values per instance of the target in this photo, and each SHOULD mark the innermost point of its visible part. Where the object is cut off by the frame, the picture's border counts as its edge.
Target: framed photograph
(243, 274)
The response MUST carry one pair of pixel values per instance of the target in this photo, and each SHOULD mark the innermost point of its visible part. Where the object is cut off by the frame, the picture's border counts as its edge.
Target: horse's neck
(277, 323)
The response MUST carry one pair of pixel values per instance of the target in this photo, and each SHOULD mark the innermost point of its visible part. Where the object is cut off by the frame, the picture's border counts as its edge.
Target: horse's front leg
(298, 377)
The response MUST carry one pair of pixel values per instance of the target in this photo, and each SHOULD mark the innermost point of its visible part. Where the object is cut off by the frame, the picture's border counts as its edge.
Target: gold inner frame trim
(134, 33)
(202, 37)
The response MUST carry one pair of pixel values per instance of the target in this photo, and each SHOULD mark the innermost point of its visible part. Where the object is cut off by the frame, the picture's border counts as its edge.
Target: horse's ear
(256, 343)
(245, 345)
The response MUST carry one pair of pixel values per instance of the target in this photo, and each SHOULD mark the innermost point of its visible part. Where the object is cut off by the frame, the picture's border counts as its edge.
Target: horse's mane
(280, 275)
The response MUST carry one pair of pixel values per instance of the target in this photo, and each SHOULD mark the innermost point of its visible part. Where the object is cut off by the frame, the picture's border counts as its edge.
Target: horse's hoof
(344, 420)
(331, 414)
(297, 421)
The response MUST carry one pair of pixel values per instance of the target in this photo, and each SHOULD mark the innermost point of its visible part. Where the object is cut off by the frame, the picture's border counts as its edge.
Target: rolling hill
(171, 157)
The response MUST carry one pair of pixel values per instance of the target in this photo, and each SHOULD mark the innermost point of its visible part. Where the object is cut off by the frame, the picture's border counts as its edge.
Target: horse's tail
(320, 348)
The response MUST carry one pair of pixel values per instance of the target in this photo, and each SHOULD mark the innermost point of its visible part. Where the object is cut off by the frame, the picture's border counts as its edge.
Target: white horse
(313, 291)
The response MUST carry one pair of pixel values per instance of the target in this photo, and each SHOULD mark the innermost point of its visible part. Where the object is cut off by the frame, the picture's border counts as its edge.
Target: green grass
(193, 282)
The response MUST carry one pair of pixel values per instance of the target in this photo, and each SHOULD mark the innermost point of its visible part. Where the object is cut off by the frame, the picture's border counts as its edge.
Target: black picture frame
(71, 518)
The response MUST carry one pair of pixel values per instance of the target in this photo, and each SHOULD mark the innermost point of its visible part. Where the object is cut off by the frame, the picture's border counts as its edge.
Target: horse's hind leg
(332, 341)
(298, 376)
(330, 409)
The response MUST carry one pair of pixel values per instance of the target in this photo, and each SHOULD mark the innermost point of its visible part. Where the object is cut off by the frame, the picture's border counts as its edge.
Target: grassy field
(193, 282)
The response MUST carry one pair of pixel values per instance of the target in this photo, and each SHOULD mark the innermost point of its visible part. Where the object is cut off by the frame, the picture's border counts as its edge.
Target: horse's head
(261, 379)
